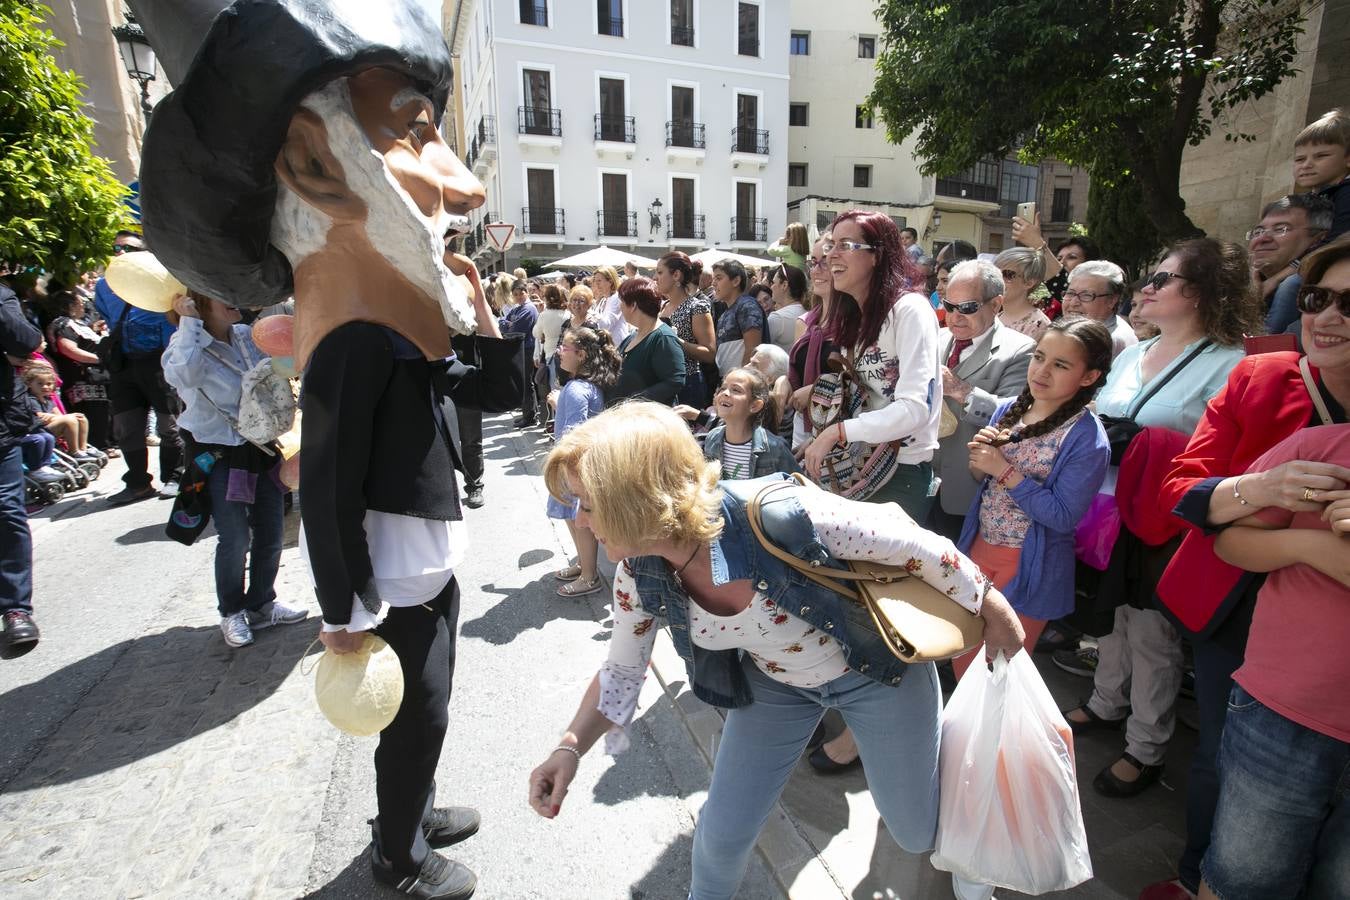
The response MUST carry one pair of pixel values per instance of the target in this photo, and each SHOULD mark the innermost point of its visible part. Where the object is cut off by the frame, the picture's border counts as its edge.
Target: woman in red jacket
(1266, 400)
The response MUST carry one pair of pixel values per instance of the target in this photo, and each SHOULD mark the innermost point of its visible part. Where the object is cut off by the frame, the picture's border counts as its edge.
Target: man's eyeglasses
(967, 308)
(1277, 231)
(1086, 296)
(846, 246)
(1313, 299)
(1158, 280)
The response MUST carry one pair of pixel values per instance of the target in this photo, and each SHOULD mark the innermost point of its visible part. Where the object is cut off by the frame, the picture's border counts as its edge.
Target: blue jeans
(897, 730)
(16, 542)
(1282, 828)
(37, 449)
(238, 524)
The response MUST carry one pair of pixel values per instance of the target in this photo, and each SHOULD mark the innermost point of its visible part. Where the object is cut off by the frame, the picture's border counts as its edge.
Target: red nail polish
(556, 809)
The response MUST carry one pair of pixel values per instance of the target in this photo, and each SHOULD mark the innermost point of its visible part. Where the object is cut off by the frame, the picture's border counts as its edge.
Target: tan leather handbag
(917, 622)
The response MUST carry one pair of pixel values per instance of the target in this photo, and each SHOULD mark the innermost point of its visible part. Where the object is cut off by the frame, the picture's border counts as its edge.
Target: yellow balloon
(141, 280)
(360, 692)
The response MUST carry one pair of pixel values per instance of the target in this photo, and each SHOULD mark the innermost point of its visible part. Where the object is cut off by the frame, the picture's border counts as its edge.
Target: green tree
(1118, 222)
(60, 205)
(1119, 87)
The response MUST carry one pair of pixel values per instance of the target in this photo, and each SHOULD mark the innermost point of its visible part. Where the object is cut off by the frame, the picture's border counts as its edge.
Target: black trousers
(136, 389)
(470, 443)
(410, 747)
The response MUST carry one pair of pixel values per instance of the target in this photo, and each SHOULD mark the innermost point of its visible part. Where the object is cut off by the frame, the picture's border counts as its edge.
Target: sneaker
(152, 440)
(169, 489)
(46, 474)
(20, 634)
(132, 495)
(236, 630)
(276, 613)
(439, 877)
(1082, 662)
(473, 496)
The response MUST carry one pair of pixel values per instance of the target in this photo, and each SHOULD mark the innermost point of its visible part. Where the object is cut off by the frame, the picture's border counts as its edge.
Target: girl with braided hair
(1043, 457)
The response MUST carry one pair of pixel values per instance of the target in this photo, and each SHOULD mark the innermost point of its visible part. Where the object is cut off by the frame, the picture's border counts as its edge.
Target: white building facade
(646, 125)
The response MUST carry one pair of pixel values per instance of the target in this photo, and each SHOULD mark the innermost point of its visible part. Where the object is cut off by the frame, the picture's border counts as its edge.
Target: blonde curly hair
(643, 473)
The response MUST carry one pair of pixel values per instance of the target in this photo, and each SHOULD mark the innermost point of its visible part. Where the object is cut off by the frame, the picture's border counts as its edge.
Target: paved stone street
(142, 757)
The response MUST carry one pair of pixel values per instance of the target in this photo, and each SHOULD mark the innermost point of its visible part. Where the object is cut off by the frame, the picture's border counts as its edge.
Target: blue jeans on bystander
(16, 542)
(897, 730)
(1282, 828)
(239, 525)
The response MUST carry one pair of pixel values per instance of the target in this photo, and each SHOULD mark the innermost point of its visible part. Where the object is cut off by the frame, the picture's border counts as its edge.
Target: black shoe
(20, 634)
(439, 877)
(450, 824)
(523, 422)
(132, 495)
(1081, 662)
(473, 496)
(1055, 638)
(821, 762)
(817, 737)
(1093, 723)
(1108, 785)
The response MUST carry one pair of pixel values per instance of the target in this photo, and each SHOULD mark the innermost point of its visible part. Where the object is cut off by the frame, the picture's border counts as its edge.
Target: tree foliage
(60, 205)
(1118, 223)
(1119, 87)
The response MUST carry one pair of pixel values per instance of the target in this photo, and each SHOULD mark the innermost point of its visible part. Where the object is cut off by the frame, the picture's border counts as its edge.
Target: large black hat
(240, 70)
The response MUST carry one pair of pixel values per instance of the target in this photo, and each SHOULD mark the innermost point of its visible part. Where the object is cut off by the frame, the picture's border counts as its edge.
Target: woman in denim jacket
(758, 638)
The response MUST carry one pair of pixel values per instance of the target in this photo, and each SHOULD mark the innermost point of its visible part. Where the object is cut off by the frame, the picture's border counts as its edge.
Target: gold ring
(1307, 495)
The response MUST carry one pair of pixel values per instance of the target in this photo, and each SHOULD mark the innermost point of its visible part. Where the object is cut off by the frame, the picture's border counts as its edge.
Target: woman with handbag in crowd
(1201, 299)
(889, 338)
(772, 648)
(690, 314)
(1214, 482)
(84, 380)
(1043, 457)
(205, 362)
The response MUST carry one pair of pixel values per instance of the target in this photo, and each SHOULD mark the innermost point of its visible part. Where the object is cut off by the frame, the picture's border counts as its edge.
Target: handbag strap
(1162, 382)
(1320, 404)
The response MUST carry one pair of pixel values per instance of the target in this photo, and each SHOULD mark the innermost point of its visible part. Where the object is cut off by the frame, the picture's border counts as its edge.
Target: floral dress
(1002, 521)
(682, 320)
(783, 647)
(1033, 324)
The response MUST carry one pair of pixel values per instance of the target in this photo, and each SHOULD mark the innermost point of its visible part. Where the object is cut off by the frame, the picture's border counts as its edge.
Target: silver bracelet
(1236, 496)
(572, 750)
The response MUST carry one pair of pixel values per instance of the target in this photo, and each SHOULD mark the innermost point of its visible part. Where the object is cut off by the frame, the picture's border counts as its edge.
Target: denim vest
(716, 675)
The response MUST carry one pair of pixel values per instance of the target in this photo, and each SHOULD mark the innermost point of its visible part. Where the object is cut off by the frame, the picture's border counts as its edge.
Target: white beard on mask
(413, 244)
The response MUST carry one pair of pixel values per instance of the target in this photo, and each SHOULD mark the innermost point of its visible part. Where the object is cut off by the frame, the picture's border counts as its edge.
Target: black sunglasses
(969, 308)
(1313, 299)
(1158, 280)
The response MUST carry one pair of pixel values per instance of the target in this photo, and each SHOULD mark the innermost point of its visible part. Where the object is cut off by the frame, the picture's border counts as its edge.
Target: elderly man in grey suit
(984, 364)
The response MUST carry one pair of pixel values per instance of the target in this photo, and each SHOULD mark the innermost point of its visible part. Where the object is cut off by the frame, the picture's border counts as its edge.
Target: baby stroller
(84, 470)
(47, 478)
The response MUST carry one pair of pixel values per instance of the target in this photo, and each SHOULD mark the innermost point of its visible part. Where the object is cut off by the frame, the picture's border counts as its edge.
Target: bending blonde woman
(773, 652)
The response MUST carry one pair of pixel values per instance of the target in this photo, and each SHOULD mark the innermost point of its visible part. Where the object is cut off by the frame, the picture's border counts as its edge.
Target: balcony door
(612, 110)
(614, 197)
(746, 212)
(682, 207)
(682, 116)
(747, 123)
(542, 200)
(538, 102)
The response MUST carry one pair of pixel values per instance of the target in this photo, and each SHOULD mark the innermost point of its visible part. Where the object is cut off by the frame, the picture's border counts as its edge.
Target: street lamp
(137, 55)
(654, 219)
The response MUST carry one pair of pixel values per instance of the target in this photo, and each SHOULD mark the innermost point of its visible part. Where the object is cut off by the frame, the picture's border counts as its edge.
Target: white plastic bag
(1008, 813)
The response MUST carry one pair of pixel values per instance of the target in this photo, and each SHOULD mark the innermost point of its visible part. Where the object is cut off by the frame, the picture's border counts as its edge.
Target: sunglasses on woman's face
(1313, 299)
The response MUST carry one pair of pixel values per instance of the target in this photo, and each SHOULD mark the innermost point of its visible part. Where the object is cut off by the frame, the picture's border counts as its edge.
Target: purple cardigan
(1043, 585)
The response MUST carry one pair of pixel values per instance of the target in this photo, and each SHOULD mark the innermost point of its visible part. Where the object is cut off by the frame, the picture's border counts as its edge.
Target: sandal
(580, 588)
(571, 573)
(1093, 723)
(1108, 785)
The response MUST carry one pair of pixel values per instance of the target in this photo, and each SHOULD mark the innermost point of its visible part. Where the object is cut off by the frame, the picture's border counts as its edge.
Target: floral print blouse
(682, 320)
(1033, 324)
(1002, 521)
(784, 647)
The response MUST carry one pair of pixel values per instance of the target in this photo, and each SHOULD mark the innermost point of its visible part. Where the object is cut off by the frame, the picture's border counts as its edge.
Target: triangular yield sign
(500, 234)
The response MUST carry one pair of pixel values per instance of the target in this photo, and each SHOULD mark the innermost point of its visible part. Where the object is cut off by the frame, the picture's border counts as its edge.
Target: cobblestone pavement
(141, 757)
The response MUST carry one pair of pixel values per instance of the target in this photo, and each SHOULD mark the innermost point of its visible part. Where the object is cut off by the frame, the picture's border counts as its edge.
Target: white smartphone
(1027, 211)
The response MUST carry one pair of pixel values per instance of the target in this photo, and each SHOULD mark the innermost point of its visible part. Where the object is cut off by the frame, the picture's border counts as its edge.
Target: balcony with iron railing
(748, 229)
(682, 36)
(618, 129)
(486, 133)
(541, 121)
(616, 223)
(684, 133)
(750, 140)
(543, 220)
(682, 228)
